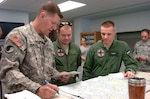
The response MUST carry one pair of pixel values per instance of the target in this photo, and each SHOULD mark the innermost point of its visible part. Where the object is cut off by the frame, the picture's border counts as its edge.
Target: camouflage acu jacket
(27, 60)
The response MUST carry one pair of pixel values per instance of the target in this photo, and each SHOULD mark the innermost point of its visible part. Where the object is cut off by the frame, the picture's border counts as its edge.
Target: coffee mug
(136, 88)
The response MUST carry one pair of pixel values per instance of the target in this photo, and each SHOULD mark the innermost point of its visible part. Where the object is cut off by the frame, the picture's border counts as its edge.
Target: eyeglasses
(64, 23)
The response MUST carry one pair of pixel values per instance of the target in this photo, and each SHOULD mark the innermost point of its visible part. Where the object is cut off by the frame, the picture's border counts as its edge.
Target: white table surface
(147, 76)
(139, 74)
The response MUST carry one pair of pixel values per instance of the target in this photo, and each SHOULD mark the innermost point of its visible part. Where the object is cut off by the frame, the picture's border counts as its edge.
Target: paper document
(25, 94)
(68, 73)
(119, 75)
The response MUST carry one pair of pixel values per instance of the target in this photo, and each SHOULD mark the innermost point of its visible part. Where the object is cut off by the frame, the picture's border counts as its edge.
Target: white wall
(125, 22)
(14, 16)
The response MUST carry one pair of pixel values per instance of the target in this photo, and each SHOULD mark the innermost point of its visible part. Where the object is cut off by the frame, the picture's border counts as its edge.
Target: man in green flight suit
(67, 54)
(106, 55)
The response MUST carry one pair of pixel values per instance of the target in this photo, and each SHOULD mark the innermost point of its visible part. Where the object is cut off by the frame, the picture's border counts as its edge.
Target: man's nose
(105, 36)
(54, 27)
(66, 37)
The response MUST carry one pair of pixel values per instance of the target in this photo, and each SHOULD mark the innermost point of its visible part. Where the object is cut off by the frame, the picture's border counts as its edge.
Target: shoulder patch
(17, 41)
(128, 51)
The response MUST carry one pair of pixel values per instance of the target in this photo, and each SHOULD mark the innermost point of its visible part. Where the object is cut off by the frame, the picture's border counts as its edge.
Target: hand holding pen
(53, 89)
(47, 91)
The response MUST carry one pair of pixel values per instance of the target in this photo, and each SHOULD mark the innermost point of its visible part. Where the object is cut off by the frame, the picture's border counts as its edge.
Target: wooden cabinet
(92, 37)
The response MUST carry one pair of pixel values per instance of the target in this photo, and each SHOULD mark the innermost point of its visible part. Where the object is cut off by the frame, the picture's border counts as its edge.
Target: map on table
(113, 86)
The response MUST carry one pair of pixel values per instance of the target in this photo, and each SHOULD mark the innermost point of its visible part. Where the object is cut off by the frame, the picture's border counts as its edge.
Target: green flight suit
(67, 62)
(101, 62)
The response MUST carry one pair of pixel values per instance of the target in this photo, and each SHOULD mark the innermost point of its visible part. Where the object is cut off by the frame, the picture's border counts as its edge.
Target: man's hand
(129, 74)
(142, 58)
(47, 91)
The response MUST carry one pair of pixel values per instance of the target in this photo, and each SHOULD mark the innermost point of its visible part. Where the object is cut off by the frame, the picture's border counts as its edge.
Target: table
(147, 76)
(115, 85)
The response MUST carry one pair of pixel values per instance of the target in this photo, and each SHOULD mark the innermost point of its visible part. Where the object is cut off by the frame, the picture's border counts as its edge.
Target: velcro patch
(128, 51)
(17, 41)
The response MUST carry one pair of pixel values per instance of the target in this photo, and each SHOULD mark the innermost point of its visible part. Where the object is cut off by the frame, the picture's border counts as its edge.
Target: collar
(59, 46)
(111, 46)
(36, 36)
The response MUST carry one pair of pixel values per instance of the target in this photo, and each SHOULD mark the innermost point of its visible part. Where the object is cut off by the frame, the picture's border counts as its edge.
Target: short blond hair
(108, 23)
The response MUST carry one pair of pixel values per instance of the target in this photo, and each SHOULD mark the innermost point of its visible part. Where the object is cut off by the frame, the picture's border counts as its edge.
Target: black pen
(54, 89)
(72, 94)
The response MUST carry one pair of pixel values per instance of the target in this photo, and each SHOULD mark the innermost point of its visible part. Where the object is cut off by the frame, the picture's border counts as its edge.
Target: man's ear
(42, 14)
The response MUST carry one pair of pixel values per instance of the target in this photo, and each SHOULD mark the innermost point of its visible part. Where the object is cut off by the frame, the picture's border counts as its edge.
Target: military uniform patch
(100, 53)
(128, 51)
(60, 53)
(10, 49)
(17, 41)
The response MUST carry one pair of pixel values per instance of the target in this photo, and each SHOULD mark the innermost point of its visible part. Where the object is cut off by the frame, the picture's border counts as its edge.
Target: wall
(14, 16)
(80, 25)
(124, 23)
(127, 22)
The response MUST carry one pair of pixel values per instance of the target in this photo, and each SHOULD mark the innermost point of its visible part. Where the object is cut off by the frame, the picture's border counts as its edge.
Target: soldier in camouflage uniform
(28, 54)
(142, 51)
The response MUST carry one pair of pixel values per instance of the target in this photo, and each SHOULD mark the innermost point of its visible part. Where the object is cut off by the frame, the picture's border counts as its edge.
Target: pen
(73, 94)
(54, 89)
